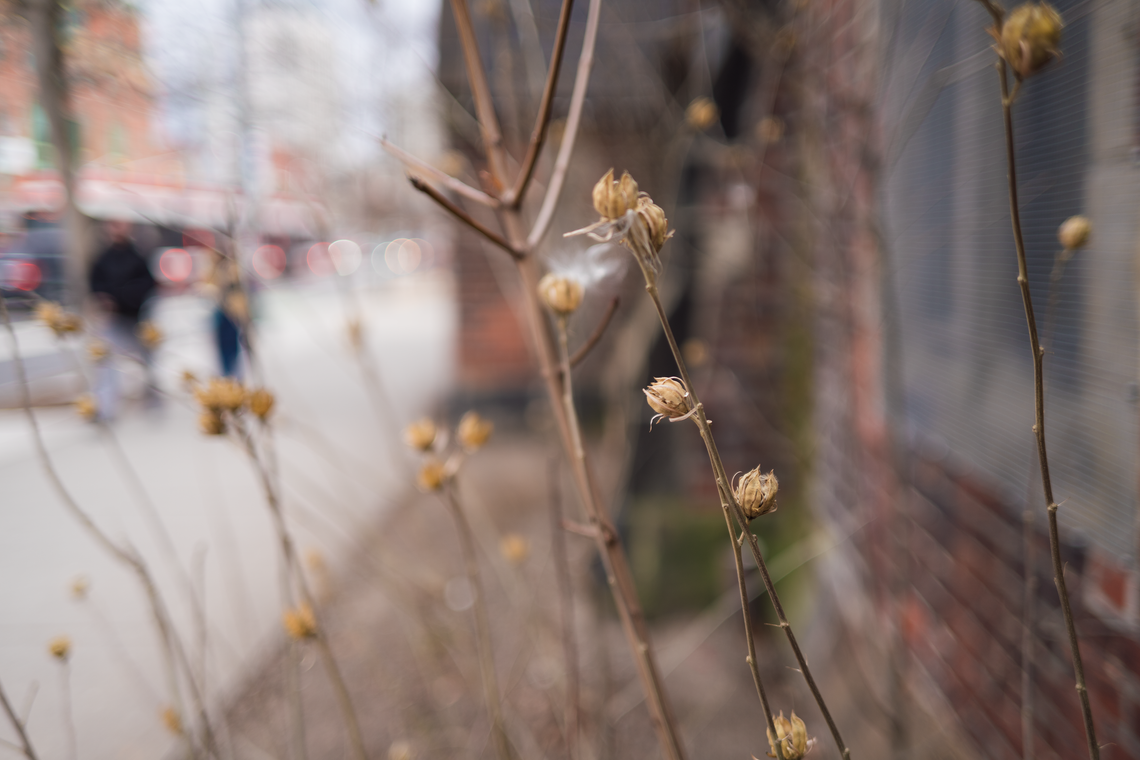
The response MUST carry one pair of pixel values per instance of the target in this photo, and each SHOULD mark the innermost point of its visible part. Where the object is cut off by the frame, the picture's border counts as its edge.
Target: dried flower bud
(300, 623)
(514, 548)
(261, 403)
(612, 199)
(1030, 37)
(172, 721)
(85, 407)
(431, 475)
(655, 222)
(701, 114)
(149, 335)
(210, 422)
(79, 587)
(97, 350)
(792, 737)
(221, 394)
(561, 294)
(60, 647)
(420, 435)
(60, 322)
(667, 396)
(473, 431)
(1074, 232)
(756, 493)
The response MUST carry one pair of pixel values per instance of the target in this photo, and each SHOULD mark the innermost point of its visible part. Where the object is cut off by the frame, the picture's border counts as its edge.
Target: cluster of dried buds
(791, 736)
(632, 217)
(60, 321)
(1029, 38)
(223, 399)
(472, 432)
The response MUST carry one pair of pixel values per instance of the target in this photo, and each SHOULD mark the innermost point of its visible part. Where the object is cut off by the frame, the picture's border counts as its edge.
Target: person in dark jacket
(121, 285)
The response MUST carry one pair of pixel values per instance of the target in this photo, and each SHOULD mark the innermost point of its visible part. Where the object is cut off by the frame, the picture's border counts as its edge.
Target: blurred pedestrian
(231, 310)
(121, 287)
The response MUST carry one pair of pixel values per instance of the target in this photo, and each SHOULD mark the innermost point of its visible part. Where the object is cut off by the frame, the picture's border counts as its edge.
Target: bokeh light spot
(318, 259)
(269, 262)
(346, 256)
(175, 264)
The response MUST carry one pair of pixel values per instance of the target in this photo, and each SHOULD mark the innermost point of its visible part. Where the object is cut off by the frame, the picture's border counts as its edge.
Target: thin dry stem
(566, 603)
(1039, 407)
(538, 136)
(68, 718)
(482, 624)
(584, 350)
(481, 92)
(725, 487)
(170, 645)
(613, 556)
(293, 568)
(570, 134)
(18, 725)
(462, 215)
(441, 177)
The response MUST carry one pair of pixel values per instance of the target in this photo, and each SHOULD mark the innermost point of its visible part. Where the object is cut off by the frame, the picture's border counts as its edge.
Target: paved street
(341, 465)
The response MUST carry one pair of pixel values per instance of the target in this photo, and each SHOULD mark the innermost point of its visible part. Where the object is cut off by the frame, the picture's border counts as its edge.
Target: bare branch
(26, 745)
(462, 215)
(443, 178)
(481, 92)
(573, 120)
(599, 331)
(538, 136)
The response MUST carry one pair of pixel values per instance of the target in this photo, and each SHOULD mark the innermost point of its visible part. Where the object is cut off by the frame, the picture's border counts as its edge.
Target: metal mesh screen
(965, 360)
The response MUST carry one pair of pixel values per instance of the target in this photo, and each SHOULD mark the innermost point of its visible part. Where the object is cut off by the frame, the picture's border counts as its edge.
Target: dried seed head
(701, 114)
(261, 403)
(612, 199)
(1030, 37)
(514, 548)
(792, 737)
(473, 431)
(79, 587)
(60, 647)
(421, 435)
(300, 623)
(172, 721)
(221, 394)
(667, 396)
(1074, 232)
(85, 407)
(60, 322)
(210, 422)
(561, 294)
(756, 493)
(431, 475)
(653, 217)
(97, 350)
(149, 335)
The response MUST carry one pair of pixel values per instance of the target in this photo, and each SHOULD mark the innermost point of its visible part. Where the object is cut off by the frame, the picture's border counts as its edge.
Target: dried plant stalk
(25, 745)
(1007, 98)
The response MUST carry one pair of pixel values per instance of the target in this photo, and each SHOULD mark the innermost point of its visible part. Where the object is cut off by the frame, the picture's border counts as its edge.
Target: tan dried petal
(473, 431)
(755, 492)
(560, 294)
(1074, 232)
(420, 435)
(1030, 37)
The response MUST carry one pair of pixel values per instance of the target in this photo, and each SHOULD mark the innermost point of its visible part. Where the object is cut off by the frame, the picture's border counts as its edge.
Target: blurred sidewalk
(341, 464)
